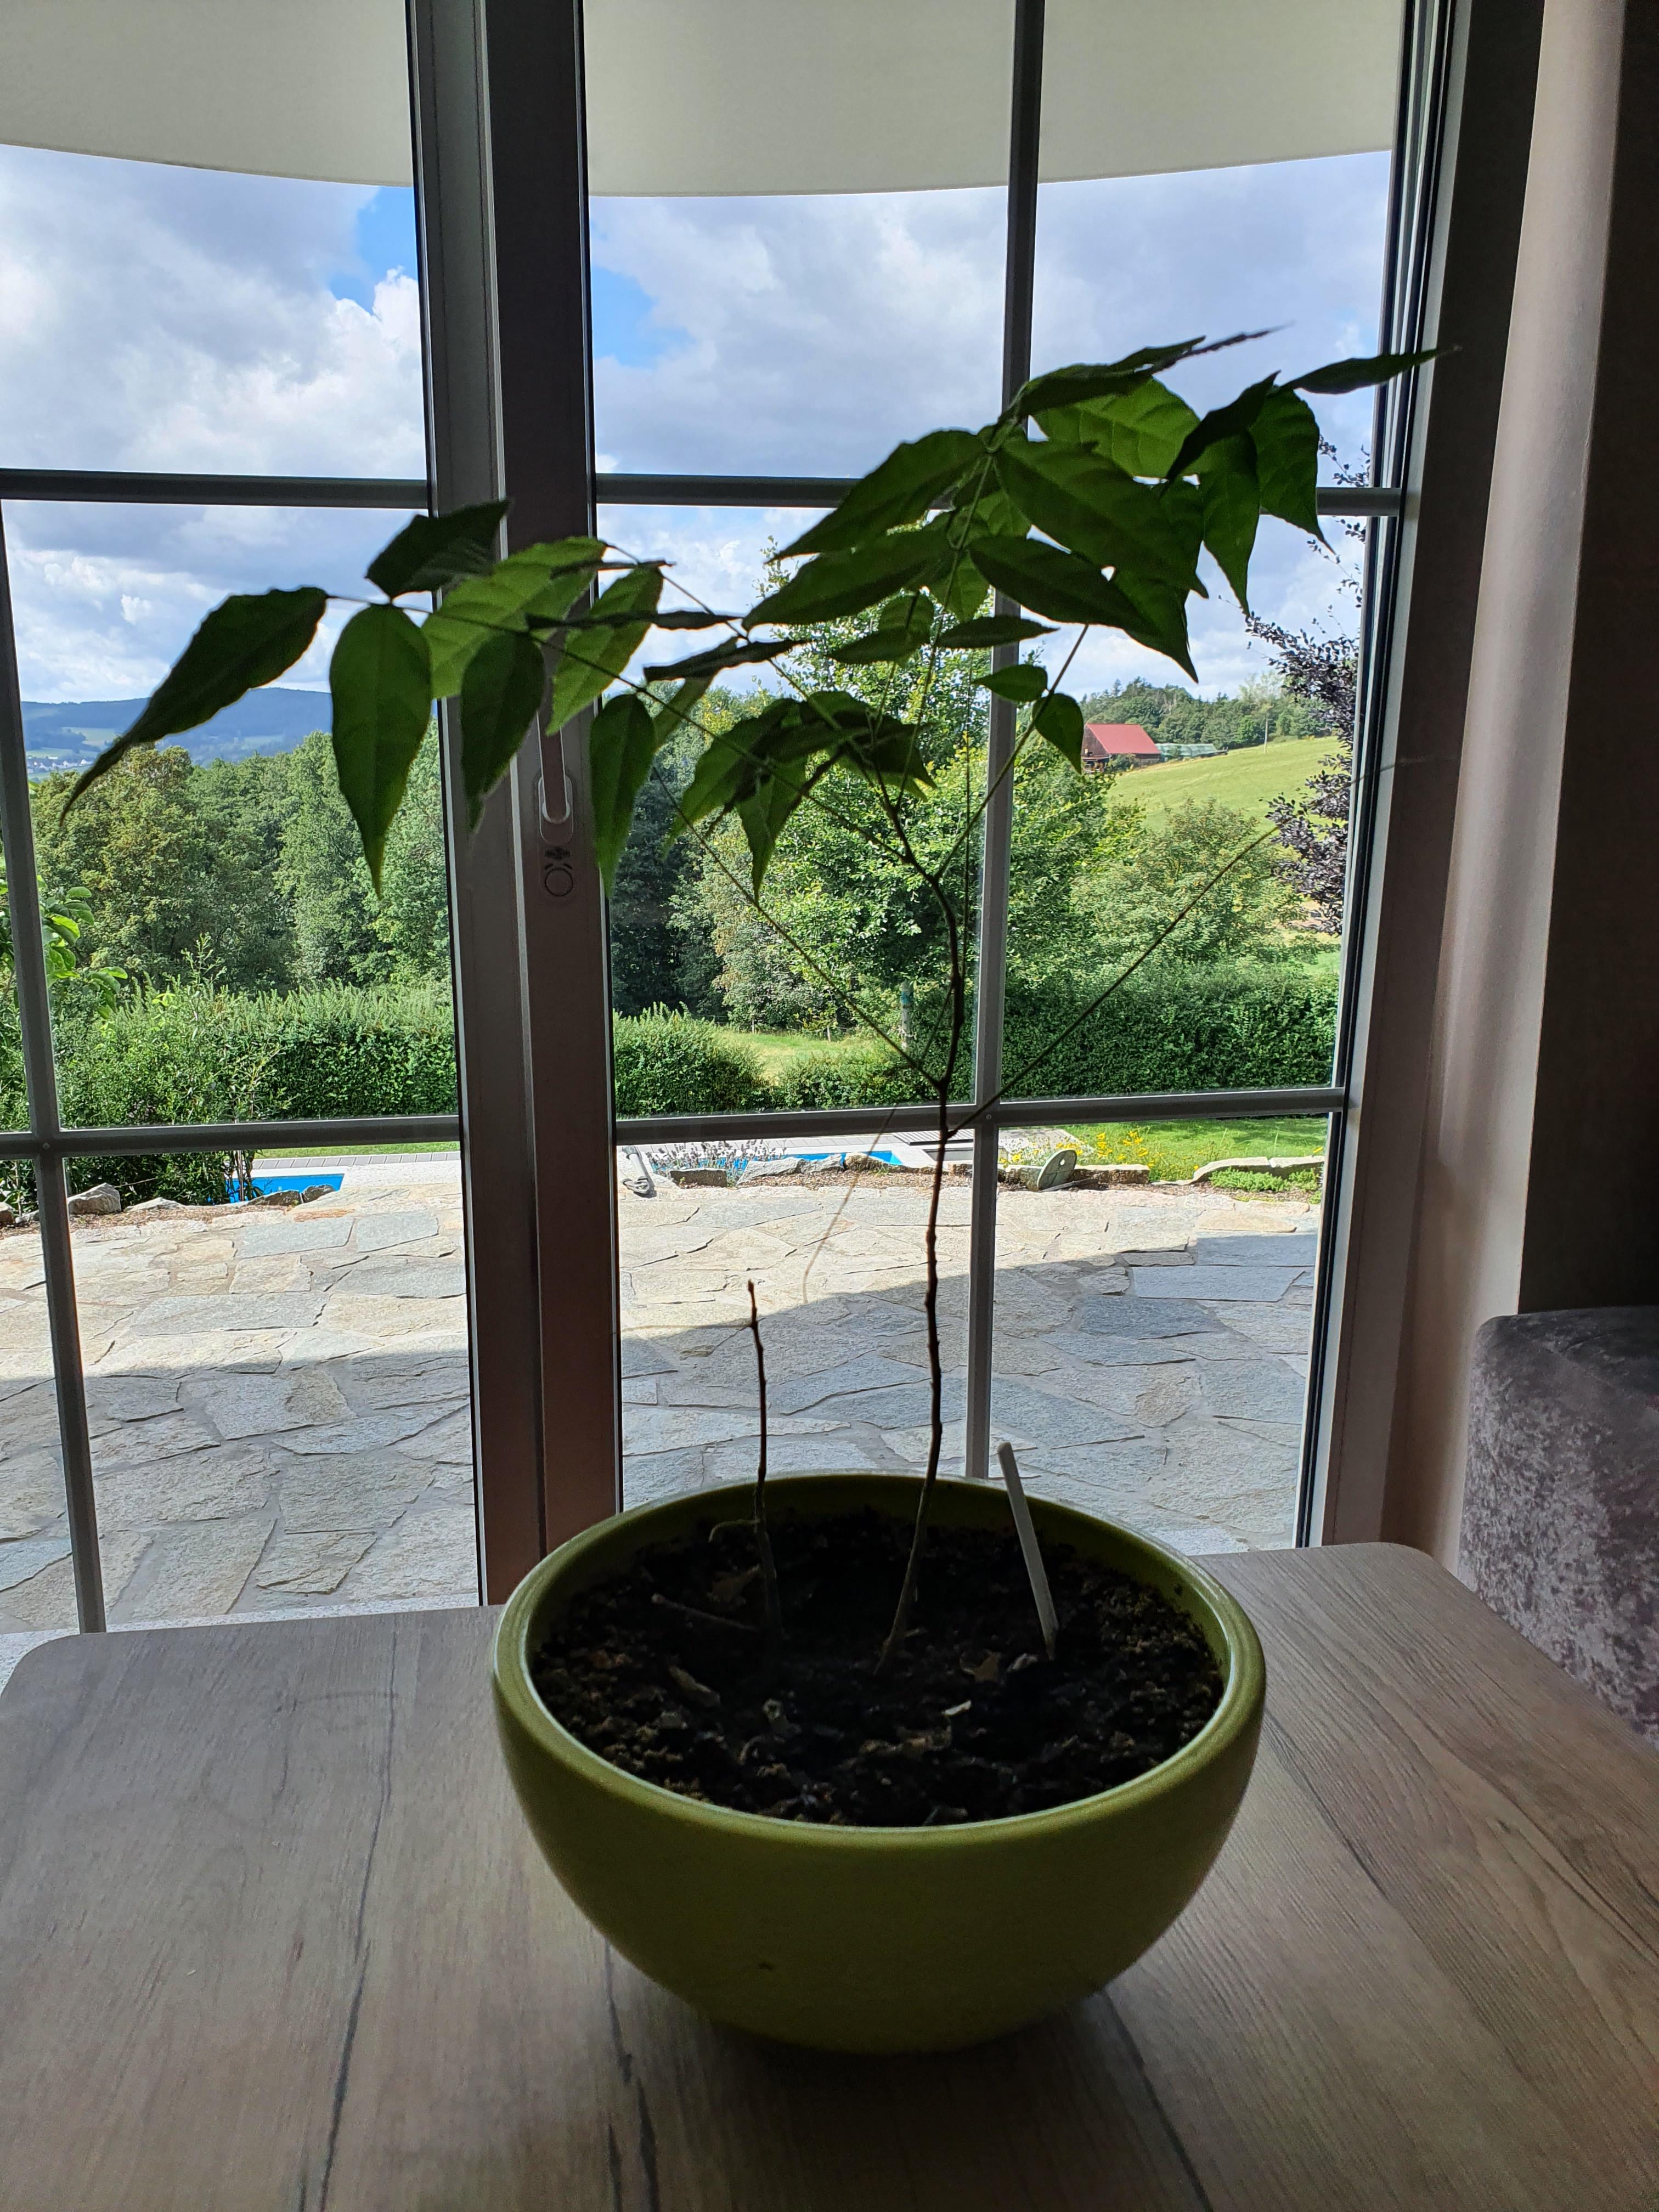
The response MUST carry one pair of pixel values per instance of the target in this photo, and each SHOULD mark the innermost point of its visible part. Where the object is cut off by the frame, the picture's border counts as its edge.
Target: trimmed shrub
(671, 1063)
(197, 1054)
(1214, 1028)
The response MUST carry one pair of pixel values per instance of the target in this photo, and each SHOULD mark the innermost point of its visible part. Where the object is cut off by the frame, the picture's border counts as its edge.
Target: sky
(155, 317)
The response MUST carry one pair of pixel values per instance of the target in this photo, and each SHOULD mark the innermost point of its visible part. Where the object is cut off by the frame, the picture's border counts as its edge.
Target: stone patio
(278, 1400)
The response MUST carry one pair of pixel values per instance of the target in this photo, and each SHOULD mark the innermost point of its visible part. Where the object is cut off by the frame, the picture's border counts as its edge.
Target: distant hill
(72, 732)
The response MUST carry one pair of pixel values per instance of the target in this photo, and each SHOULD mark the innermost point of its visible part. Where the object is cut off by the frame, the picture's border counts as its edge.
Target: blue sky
(168, 318)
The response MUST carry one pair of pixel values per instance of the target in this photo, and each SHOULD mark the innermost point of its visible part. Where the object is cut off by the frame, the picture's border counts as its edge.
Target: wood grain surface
(273, 1936)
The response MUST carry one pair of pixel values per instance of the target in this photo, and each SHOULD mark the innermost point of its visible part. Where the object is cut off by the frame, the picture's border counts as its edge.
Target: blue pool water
(263, 1183)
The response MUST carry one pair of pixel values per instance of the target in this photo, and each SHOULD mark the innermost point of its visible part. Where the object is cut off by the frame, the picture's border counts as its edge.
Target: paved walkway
(278, 1398)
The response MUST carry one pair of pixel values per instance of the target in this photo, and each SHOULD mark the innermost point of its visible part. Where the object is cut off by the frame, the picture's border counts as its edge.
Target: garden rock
(102, 1198)
(152, 1209)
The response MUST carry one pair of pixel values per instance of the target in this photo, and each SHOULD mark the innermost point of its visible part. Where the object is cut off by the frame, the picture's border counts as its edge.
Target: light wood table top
(272, 1935)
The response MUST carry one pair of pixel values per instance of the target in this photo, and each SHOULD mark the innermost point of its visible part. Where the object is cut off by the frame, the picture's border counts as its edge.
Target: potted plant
(806, 1750)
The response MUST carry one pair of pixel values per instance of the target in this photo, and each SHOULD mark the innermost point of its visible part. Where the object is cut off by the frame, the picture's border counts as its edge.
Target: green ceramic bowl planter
(876, 1939)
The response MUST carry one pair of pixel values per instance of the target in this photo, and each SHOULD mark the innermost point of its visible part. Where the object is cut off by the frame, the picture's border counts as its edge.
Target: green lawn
(1246, 779)
(343, 1151)
(1173, 1149)
(778, 1050)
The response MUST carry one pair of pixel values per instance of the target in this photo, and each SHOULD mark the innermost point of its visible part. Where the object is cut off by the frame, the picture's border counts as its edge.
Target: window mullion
(28, 957)
(991, 971)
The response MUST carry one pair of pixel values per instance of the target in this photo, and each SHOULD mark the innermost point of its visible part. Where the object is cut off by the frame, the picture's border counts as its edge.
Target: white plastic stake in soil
(1028, 1545)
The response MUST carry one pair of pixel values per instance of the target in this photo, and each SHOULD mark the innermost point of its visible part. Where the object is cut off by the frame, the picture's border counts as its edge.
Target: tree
(1243, 917)
(662, 949)
(1324, 672)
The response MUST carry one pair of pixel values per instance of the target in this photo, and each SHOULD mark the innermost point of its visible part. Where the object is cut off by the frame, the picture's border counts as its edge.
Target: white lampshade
(722, 96)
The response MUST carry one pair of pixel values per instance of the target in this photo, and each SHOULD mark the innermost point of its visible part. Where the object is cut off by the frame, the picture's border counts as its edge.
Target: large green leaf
(1286, 441)
(1157, 617)
(620, 747)
(1022, 683)
(1084, 381)
(763, 811)
(1236, 420)
(381, 681)
(537, 584)
(900, 490)
(1062, 585)
(1357, 370)
(1089, 505)
(433, 550)
(905, 627)
(245, 642)
(1232, 509)
(985, 630)
(1059, 720)
(1141, 430)
(732, 654)
(836, 584)
(594, 659)
(500, 694)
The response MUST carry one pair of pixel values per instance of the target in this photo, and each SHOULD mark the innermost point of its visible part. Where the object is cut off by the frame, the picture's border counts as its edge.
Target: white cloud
(805, 335)
(105, 597)
(153, 317)
(167, 318)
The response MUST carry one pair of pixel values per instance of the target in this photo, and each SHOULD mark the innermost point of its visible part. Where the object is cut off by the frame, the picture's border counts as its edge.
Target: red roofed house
(1117, 745)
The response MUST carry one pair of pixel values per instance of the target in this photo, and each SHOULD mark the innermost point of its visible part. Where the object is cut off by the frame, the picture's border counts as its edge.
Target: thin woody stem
(763, 1531)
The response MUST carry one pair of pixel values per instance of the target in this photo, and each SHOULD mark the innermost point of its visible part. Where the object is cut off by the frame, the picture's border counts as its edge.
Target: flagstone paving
(278, 1400)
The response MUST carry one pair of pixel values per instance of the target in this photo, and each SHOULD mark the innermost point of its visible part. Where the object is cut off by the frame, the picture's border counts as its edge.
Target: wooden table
(272, 1935)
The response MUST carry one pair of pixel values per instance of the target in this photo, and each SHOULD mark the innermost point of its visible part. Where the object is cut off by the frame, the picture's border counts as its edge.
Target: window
(797, 239)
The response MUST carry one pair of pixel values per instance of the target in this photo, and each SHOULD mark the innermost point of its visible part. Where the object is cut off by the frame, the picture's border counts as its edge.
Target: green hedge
(1218, 1029)
(674, 1064)
(195, 1054)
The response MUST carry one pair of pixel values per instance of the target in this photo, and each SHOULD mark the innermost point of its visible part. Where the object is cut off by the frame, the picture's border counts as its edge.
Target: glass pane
(836, 1256)
(232, 960)
(1241, 183)
(1153, 856)
(1153, 1315)
(802, 262)
(190, 320)
(278, 1393)
(37, 1582)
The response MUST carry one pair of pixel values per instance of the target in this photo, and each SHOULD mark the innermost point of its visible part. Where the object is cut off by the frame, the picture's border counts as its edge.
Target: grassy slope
(1173, 1149)
(1246, 779)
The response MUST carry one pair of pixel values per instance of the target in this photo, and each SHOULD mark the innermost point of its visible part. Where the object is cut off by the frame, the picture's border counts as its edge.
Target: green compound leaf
(710, 664)
(1232, 509)
(905, 626)
(837, 584)
(986, 631)
(1359, 370)
(245, 642)
(538, 584)
(900, 490)
(1087, 504)
(381, 681)
(593, 658)
(1141, 430)
(620, 747)
(1221, 426)
(1070, 387)
(1059, 720)
(433, 550)
(1286, 441)
(1022, 683)
(1062, 585)
(500, 695)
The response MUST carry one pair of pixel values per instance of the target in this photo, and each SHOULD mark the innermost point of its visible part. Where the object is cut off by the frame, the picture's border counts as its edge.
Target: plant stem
(762, 1532)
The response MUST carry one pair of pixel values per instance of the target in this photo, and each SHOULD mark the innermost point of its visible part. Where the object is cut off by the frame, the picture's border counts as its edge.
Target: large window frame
(497, 103)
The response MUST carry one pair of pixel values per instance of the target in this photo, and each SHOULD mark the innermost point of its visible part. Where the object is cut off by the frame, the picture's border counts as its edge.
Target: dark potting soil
(667, 1672)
